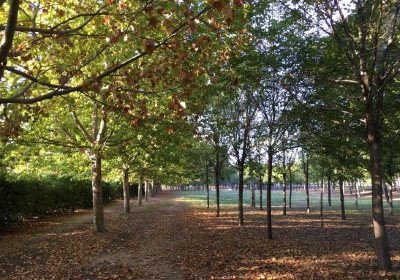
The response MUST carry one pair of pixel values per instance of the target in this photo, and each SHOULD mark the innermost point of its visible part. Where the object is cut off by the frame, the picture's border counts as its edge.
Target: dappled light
(199, 139)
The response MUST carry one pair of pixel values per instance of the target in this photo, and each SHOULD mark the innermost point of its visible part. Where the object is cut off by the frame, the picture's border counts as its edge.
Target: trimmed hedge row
(26, 198)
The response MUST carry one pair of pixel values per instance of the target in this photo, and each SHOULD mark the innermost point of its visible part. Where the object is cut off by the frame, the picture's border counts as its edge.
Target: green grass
(229, 199)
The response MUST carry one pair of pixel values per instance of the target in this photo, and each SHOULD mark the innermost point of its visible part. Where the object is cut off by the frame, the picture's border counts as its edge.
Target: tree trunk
(146, 190)
(125, 187)
(307, 187)
(284, 193)
(269, 186)
(321, 206)
(253, 194)
(350, 188)
(260, 188)
(208, 196)
(207, 186)
(329, 190)
(386, 192)
(241, 169)
(98, 212)
(217, 169)
(390, 198)
(356, 193)
(290, 187)
(151, 189)
(374, 145)
(217, 183)
(341, 188)
(140, 189)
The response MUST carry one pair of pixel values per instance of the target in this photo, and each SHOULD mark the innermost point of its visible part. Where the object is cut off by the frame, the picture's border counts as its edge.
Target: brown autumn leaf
(173, 238)
(149, 46)
(153, 21)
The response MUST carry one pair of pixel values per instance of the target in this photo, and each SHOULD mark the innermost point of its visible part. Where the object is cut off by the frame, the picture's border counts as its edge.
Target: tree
(85, 130)
(242, 111)
(306, 166)
(212, 127)
(366, 33)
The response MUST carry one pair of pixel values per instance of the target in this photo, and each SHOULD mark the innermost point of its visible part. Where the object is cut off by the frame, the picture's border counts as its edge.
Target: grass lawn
(229, 200)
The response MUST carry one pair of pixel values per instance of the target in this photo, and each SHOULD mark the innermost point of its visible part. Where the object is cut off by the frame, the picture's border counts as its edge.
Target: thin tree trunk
(307, 188)
(341, 188)
(253, 194)
(284, 193)
(217, 183)
(386, 191)
(322, 203)
(356, 193)
(125, 187)
(269, 186)
(329, 190)
(260, 188)
(391, 198)
(151, 189)
(217, 169)
(146, 190)
(98, 221)
(207, 187)
(290, 187)
(350, 188)
(241, 167)
(140, 189)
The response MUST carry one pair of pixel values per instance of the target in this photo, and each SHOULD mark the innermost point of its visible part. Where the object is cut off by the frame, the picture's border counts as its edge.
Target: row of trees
(131, 87)
(126, 76)
(321, 77)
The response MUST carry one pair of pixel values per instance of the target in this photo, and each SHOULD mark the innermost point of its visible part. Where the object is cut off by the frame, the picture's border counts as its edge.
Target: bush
(26, 198)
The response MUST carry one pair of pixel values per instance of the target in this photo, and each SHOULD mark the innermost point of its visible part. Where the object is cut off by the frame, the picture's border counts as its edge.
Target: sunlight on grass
(229, 200)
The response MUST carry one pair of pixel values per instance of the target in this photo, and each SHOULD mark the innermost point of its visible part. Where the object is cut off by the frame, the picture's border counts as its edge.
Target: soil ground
(169, 238)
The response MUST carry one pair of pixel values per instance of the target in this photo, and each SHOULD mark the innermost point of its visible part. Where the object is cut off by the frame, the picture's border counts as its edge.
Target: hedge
(26, 198)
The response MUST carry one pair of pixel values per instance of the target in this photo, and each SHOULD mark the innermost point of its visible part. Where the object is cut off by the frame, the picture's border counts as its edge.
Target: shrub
(25, 198)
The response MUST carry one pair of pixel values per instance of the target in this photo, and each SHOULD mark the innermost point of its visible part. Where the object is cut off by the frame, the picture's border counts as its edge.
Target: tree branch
(8, 36)
(81, 127)
(106, 73)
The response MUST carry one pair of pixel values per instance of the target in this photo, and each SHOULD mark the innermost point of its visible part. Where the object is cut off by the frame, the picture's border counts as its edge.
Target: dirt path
(172, 239)
(139, 245)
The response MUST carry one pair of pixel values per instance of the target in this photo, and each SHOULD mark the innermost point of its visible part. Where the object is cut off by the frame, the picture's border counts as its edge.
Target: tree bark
(98, 220)
(290, 187)
(140, 189)
(151, 189)
(9, 32)
(260, 187)
(269, 186)
(341, 188)
(374, 145)
(241, 169)
(284, 193)
(125, 187)
(390, 198)
(217, 183)
(146, 190)
(386, 192)
(356, 193)
(329, 190)
(350, 187)
(217, 169)
(253, 194)
(307, 186)
(207, 186)
(321, 207)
